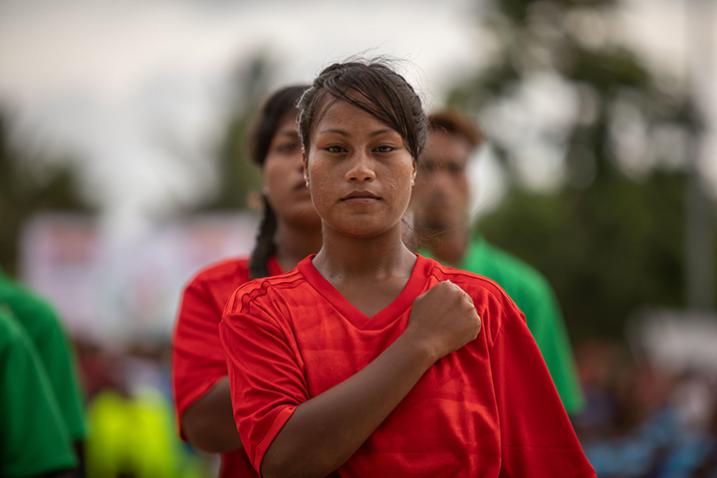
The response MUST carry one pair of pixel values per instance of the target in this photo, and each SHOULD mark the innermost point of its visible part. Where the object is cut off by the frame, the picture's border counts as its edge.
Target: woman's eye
(385, 149)
(335, 149)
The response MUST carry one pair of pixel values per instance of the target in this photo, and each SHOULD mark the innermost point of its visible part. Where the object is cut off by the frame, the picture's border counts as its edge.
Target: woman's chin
(360, 230)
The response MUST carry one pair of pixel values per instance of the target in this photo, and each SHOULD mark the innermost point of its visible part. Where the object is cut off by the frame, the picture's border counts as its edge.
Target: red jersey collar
(412, 289)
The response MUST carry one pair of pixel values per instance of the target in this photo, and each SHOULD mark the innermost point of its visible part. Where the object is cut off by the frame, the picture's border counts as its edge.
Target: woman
(368, 360)
(290, 229)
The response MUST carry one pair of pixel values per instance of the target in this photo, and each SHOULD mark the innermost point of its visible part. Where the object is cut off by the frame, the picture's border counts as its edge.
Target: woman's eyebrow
(346, 133)
(335, 130)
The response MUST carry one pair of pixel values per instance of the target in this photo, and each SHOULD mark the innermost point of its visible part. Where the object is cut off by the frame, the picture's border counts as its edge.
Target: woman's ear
(413, 173)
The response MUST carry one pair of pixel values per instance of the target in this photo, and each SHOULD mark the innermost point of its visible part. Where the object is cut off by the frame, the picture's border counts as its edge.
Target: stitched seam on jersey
(263, 289)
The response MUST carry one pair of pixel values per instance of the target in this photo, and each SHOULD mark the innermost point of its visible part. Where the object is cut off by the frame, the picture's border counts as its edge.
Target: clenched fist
(443, 319)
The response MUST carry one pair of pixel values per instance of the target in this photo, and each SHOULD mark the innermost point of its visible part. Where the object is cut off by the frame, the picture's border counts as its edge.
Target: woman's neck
(294, 243)
(377, 257)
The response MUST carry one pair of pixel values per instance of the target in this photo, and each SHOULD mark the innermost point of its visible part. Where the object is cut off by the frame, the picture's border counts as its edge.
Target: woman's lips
(361, 200)
(361, 197)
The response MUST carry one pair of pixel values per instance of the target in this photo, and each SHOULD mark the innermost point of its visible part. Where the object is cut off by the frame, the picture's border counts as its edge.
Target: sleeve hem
(189, 399)
(261, 449)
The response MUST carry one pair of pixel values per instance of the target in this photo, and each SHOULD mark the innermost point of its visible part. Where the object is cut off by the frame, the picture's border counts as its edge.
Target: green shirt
(534, 296)
(34, 439)
(42, 325)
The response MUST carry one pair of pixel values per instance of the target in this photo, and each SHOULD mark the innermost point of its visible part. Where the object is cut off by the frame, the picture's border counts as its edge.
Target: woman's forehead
(339, 114)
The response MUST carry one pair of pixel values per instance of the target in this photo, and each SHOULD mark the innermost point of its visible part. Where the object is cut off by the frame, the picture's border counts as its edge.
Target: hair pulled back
(373, 87)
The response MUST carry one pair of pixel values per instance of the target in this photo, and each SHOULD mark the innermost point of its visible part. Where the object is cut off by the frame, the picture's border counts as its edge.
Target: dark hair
(373, 87)
(262, 131)
(454, 122)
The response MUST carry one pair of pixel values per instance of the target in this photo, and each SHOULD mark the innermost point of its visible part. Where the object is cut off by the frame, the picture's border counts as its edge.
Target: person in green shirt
(42, 325)
(442, 223)
(34, 440)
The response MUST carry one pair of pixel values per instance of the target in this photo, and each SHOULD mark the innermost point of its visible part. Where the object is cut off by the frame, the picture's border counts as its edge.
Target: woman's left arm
(537, 438)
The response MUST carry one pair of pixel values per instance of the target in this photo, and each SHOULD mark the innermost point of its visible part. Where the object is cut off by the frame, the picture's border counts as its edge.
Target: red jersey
(487, 410)
(198, 360)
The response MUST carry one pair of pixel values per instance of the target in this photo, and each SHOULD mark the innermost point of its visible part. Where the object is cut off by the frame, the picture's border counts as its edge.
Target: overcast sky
(111, 82)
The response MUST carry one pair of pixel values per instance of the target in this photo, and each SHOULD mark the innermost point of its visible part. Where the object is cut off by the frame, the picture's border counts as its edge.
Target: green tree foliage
(237, 177)
(610, 236)
(28, 185)
(608, 250)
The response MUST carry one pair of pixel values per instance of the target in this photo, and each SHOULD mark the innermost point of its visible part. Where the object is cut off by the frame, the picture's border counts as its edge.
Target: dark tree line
(609, 238)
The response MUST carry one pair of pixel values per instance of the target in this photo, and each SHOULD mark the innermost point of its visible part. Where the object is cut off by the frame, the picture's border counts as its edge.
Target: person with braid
(289, 230)
(368, 360)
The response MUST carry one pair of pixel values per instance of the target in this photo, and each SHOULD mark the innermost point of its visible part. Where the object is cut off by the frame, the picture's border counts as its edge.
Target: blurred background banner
(123, 170)
(113, 292)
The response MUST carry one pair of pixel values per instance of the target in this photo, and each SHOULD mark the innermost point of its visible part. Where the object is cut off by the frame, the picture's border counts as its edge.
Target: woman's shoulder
(474, 284)
(266, 291)
(493, 304)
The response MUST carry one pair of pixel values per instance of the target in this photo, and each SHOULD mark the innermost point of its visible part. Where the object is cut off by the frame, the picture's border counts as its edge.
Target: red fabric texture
(198, 360)
(487, 410)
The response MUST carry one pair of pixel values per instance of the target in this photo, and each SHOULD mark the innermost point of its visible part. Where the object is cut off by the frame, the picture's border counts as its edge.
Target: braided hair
(270, 116)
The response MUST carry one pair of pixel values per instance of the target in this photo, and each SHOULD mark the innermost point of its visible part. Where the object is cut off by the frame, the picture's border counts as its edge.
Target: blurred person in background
(35, 440)
(130, 413)
(662, 424)
(442, 222)
(289, 230)
(42, 325)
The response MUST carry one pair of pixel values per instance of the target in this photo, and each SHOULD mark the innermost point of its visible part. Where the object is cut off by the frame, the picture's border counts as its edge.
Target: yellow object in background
(135, 436)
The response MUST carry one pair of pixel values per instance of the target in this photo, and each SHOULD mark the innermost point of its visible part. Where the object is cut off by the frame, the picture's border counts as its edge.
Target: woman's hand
(443, 319)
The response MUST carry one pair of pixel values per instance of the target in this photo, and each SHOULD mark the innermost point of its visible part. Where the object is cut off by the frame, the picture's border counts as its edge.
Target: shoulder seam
(261, 287)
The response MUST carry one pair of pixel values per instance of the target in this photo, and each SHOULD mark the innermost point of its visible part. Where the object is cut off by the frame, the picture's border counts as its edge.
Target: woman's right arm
(322, 432)
(208, 423)
(199, 374)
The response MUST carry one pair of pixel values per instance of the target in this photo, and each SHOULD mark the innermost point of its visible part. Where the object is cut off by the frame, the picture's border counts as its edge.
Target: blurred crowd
(130, 416)
(643, 420)
(638, 420)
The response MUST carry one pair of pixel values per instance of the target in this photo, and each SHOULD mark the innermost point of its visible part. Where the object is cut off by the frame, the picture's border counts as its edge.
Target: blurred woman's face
(360, 173)
(283, 178)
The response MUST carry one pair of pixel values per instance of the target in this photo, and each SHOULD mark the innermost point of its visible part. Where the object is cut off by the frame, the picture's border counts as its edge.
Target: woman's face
(360, 174)
(283, 178)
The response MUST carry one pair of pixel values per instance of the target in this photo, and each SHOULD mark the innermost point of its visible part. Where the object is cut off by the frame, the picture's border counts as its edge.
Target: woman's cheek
(320, 189)
(399, 190)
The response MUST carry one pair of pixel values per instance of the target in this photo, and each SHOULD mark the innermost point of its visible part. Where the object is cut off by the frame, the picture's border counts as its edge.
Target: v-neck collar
(413, 287)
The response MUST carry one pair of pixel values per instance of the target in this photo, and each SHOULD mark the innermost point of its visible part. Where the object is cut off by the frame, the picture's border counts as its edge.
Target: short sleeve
(197, 357)
(35, 439)
(265, 370)
(43, 327)
(57, 356)
(537, 438)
